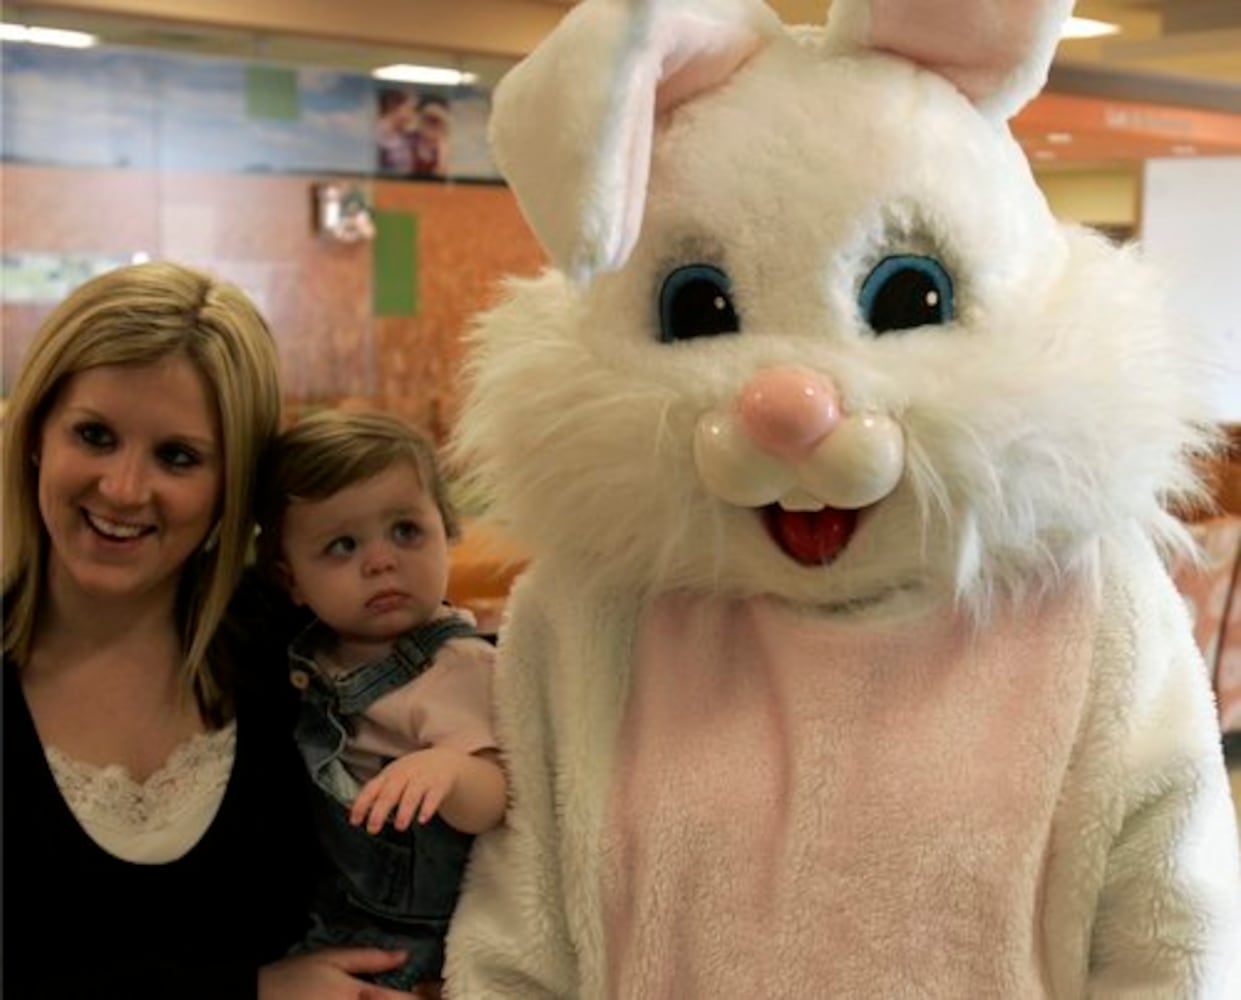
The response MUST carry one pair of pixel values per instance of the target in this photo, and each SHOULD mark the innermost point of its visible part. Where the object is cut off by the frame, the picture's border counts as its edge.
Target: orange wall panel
(257, 230)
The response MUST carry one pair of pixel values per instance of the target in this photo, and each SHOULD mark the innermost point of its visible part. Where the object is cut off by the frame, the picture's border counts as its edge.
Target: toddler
(395, 724)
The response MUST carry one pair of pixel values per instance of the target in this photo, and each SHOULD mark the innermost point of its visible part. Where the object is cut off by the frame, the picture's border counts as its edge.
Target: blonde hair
(137, 316)
(329, 450)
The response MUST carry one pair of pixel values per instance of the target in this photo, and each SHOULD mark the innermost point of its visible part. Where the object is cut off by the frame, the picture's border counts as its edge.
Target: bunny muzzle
(788, 448)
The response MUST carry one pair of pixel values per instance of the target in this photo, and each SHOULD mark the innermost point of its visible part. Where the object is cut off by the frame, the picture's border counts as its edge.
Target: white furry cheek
(733, 468)
(858, 464)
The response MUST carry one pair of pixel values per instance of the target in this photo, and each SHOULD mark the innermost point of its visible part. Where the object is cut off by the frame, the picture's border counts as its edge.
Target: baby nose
(787, 411)
(379, 559)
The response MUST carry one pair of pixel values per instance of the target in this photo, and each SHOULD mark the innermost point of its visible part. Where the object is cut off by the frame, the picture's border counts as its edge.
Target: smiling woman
(128, 495)
(148, 763)
(124, 321)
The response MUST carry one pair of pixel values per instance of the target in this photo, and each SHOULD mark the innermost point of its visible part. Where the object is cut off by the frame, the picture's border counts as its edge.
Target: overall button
(300, 679)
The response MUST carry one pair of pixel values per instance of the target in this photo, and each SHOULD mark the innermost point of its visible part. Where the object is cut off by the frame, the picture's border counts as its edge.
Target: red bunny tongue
(811, 537)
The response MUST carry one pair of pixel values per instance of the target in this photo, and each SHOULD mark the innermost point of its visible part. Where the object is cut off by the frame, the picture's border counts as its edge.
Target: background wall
(1191, 225)
(114, 155)
(317, 294)
(1098, 197)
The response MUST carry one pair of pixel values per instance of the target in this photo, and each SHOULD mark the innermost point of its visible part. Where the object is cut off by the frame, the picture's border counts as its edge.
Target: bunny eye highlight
(906, 291)
(696, 301)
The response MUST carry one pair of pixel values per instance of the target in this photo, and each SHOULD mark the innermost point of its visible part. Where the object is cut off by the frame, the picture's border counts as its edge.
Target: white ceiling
(1187, 40)
(1185, 53)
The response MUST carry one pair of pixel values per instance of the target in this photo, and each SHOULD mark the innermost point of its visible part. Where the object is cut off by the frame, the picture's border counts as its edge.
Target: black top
(80, 922)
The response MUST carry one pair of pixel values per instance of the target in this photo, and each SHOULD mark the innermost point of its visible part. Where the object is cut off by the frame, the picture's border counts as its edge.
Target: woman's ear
(213, 537)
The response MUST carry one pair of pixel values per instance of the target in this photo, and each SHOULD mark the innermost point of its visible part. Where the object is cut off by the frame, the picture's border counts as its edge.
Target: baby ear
(572, 124)
(284, 576)
(996, 52)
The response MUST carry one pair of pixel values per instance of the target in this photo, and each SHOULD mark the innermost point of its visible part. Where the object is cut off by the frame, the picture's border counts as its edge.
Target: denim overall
(394, 890)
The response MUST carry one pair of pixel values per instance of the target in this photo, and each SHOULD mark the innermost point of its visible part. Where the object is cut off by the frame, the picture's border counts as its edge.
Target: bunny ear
(571, 125)
(997, 52)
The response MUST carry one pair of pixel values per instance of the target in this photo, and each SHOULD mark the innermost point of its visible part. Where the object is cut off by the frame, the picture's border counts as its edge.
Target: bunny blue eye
(696, 301)
(906, 291)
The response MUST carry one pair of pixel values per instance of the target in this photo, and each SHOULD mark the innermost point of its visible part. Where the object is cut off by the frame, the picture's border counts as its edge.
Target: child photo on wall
(412, 133)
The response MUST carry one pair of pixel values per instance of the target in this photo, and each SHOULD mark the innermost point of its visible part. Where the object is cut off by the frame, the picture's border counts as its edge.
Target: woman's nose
(126, 481)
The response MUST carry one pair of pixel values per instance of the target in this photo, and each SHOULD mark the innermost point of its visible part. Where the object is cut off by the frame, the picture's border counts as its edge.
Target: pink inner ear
(699, 54)
(977, 45)
(694, 54)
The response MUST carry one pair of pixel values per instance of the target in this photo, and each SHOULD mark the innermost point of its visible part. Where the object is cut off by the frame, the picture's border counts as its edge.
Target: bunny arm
(505, 939)
(1170, 901)
(529, 924)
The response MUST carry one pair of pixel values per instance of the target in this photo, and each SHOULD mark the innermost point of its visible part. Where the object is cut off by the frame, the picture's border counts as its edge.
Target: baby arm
(469, 790)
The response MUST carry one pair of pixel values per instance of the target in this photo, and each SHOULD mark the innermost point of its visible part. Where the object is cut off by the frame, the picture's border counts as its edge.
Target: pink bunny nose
(788, 411)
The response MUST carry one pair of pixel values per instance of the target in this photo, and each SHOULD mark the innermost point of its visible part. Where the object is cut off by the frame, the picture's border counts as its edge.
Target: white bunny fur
(1057, 409)
(1045, 428)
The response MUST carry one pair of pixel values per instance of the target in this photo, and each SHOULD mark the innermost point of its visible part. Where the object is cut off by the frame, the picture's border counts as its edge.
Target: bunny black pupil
(906, 291)
(696, 301)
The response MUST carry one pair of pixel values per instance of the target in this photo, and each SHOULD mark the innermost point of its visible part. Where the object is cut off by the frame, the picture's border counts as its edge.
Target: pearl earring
(213, 538)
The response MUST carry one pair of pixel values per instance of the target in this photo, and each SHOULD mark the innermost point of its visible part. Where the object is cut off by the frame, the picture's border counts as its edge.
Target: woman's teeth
(114, 529)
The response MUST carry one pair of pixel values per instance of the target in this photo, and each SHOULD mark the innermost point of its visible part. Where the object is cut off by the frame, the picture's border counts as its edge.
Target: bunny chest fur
(745, 799)
(793, 795)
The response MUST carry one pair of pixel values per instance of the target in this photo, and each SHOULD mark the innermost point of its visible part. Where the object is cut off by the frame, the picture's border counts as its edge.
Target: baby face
(371, 561)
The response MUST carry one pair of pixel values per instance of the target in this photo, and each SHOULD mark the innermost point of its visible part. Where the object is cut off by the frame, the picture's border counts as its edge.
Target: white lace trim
(157, 820)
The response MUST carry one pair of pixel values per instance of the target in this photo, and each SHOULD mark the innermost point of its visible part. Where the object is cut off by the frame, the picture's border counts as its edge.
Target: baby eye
(906, 291)
(345, 545)
(178, 456)
(405, 531)
(696, 301)
(94, 434)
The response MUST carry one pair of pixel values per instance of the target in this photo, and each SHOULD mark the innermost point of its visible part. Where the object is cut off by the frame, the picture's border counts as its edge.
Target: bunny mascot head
(846, 664)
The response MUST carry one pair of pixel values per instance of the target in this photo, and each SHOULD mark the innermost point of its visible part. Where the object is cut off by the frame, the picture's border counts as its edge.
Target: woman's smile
(116, 531)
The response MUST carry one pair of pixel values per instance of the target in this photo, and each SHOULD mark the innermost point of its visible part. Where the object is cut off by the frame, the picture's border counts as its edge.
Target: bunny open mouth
(810, 537)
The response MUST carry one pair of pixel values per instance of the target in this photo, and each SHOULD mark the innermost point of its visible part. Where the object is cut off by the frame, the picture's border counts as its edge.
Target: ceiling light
(46, 36)
(1060, 138)
(407, 73)
(1086, 27)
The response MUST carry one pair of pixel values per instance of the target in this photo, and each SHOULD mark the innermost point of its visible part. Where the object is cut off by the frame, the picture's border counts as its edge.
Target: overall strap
(413, 653)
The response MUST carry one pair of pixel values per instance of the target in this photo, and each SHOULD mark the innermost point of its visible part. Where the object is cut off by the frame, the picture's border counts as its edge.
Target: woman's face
(130, 478)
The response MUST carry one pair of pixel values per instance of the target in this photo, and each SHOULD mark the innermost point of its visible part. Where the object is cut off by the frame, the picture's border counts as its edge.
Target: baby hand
(416, 783)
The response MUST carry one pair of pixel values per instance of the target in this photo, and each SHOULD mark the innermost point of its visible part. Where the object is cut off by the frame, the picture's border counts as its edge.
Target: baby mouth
(389, 600)
(116, 531)
(810, 537)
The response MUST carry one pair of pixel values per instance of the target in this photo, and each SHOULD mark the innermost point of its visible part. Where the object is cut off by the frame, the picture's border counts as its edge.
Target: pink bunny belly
(806, 808)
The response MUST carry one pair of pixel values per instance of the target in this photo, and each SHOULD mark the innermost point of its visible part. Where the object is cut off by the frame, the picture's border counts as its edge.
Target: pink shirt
(448, 705)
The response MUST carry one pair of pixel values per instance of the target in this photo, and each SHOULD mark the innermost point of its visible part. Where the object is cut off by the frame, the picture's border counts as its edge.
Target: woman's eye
(906, 291)
(405, 531)
(94, 435)
(696, 301)
(178, 456)
(342, 546)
